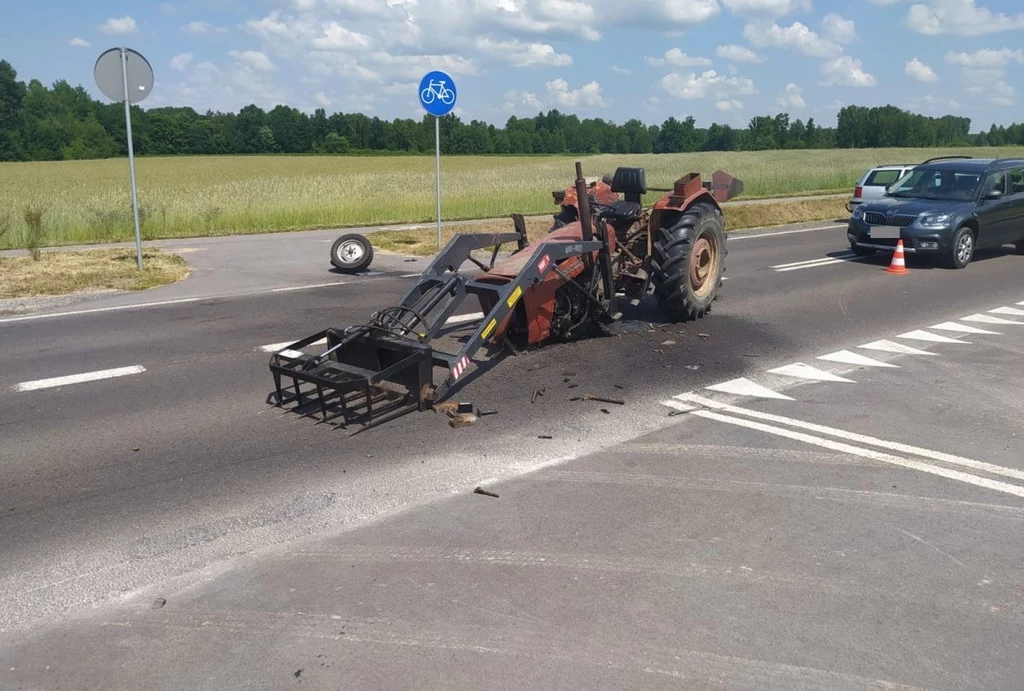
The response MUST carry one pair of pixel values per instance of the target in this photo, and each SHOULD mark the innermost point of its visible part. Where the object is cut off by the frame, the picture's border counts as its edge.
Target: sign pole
(131, 154)
(437, 174)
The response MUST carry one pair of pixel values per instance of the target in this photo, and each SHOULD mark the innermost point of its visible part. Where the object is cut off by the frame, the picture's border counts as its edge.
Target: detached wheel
(351, 253)
(961, 250)
(688, 263)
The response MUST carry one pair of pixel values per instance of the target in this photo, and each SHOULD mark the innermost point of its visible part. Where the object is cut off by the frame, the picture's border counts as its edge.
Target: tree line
(40, 123)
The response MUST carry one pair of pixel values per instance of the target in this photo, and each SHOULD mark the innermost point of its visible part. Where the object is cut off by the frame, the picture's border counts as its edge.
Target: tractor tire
(689, 263)
(351, 253)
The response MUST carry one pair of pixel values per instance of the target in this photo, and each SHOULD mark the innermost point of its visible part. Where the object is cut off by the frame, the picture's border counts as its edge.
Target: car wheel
(961, 250)
(861, 251)
(351, 253)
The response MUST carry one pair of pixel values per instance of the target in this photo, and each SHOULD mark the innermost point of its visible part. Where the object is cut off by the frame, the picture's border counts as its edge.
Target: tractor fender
(674, 206)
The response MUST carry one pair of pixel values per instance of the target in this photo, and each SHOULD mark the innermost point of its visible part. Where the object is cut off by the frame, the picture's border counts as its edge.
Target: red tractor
(601, 248)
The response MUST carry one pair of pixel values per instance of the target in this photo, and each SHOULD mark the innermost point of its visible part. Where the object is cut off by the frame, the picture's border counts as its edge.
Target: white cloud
(181, 62)
(117, 26)
(796, 37)
(708, 84)
(337, 37)
(838, 29)
(587, 95)
(920, 71)
(738, 54)
(846, 71)
(520, 54)
(621, 70)
(728, 105)
(197, 28)
(986, 57)
(254, 59)
(678, 58)
(989, 84)
(774, 8)
(79, 43)
(321, 98)
(792, 97)
(959, 17)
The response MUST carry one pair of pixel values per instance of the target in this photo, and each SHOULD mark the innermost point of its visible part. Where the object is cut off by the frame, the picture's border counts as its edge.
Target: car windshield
(939, 184)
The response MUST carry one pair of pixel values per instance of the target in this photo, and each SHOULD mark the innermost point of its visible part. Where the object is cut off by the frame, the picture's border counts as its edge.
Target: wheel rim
(703, 260)
(350, 252)
(964, 248)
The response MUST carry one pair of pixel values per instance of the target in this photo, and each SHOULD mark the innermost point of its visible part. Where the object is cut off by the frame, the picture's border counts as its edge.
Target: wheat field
(85, 202)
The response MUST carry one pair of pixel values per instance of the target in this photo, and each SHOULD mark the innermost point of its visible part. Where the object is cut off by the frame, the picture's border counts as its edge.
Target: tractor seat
(622, 212)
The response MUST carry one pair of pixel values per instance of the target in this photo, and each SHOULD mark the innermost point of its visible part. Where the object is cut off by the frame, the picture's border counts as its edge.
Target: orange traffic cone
(898, 264)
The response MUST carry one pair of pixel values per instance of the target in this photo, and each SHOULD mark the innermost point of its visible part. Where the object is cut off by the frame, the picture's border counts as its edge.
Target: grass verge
(423, 243)
(64, 273)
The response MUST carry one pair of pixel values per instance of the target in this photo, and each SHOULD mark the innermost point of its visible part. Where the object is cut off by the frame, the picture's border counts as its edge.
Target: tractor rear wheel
(688, 263)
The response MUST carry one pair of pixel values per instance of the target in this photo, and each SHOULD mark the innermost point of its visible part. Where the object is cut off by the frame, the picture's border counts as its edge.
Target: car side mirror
(993, 194)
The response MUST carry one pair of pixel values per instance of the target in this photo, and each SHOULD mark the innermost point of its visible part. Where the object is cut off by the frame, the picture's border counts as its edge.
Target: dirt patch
(90, 271)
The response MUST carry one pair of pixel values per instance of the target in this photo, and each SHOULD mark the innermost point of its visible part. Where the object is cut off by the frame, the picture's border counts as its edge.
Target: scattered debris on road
(669, 342)
(693, 368)
(485, 413)
(158, 603)
(544, 436)
(481, 490)
(462, 420)
(703, 335)
(536, 393)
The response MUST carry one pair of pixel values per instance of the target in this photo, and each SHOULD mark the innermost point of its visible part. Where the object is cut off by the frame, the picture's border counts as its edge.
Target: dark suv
(948, 208)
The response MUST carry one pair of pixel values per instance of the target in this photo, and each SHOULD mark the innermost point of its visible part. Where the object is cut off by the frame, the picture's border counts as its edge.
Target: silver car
(877, 180)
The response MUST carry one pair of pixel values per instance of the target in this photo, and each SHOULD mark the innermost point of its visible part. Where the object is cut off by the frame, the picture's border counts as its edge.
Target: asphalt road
(852, 534)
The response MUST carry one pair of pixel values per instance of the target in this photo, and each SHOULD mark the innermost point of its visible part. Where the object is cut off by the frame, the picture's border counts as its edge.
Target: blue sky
(717, 60)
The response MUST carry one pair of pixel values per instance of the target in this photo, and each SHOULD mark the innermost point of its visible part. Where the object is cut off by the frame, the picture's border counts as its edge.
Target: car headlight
(936, 220)
(858, 213)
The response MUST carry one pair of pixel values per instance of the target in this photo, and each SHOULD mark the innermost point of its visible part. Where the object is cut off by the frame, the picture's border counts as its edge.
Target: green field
(88, 201)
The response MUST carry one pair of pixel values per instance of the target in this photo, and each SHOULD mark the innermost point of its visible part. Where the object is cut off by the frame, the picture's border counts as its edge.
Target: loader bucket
(362, 378)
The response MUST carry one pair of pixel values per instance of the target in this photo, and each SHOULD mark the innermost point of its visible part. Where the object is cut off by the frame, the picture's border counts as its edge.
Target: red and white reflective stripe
(460, 367)
(542, 265)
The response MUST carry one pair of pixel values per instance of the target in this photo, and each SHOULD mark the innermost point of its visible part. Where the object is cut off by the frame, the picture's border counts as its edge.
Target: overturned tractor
(602, 248)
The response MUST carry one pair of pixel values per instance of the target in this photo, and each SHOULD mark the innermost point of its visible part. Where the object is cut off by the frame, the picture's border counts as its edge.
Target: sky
(716, 60)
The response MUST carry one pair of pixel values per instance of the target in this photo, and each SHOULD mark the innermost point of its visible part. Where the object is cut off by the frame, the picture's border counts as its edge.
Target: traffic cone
(898, 264)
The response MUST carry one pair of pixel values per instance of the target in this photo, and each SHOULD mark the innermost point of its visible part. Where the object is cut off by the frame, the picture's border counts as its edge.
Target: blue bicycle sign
(437, 93)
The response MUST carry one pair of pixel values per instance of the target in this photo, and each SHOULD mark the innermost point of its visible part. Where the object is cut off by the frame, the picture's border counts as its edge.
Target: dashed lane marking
(307, 287)
(801, 371)
(919, 335)
(95, 310)
(989, 319)
(745, 387)
(702, 402)
(886, 346)
(78, 378)
(962, 328)
(848, 357)
(1011, 311)
(815, 263)
(758, 236)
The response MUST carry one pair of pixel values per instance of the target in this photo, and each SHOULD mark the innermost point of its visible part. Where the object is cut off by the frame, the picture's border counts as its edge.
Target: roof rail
(894, 165)
(1007, 160)
(942, 158)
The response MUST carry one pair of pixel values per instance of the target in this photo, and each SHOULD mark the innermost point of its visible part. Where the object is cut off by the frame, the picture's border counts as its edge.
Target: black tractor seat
(621, 212)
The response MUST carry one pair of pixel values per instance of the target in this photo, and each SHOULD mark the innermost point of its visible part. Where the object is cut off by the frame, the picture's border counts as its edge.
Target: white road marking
(100, 309)
(1021, 303)
(755, 236)
(952, 459)
(988, 319)
(79, 378)
(894, 347)
(962, 328)
(463, 318)
(818, 260)
(307, 287)
(1012, 311)
(919, 335)
(907, 463)
(411, 275)
(274, 347)
(802, 371)
(848, 357)
(745, 387)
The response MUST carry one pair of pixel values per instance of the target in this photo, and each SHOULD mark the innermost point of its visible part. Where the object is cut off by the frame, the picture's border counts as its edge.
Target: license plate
(885, 232)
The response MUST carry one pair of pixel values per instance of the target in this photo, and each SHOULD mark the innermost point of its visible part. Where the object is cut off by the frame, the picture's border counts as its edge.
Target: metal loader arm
(544, 259)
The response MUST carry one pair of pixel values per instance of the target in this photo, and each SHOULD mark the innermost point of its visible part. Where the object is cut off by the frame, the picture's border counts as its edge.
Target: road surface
(821, 485)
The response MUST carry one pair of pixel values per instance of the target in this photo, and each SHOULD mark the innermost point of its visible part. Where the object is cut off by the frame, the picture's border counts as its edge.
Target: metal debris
(669, 342)
(605, 411)
(703, 335)
(448, 407)
(481, 490)
(618, 386)
(158, 603)
(693, 367)
(464, 408)
(568, 374)
(485, 413)
(462, 420)
(536, 393)
(544, 436)
(614, 401)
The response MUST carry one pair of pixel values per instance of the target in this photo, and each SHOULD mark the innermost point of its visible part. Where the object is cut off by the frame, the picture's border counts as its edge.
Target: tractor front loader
(600, 249)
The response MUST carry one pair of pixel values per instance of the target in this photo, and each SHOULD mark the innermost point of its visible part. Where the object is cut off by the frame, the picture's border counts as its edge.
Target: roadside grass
(87, 202)
(423, 243)
(64, 273)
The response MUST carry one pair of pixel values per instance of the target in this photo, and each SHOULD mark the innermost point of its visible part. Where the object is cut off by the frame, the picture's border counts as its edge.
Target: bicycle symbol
(437, 89)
